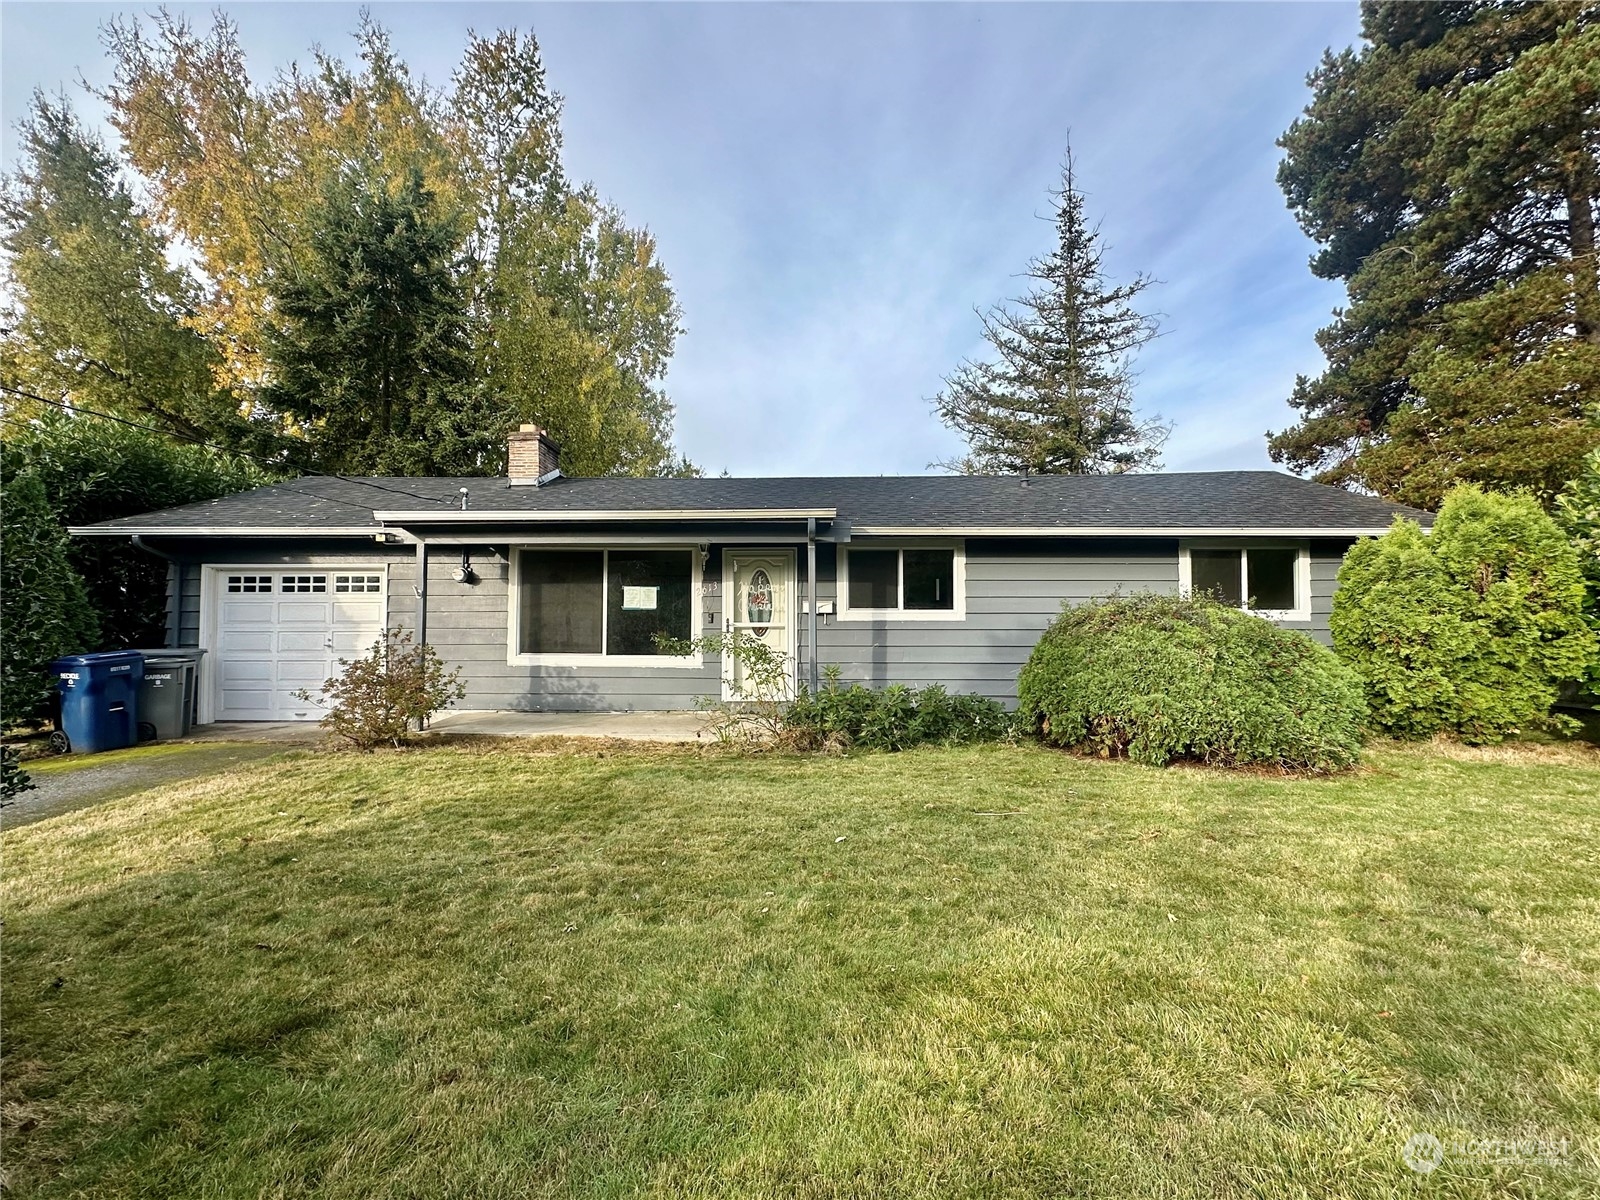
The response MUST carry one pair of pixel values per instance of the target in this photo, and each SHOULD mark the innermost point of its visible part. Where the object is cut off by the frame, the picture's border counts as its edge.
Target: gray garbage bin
(167, 696)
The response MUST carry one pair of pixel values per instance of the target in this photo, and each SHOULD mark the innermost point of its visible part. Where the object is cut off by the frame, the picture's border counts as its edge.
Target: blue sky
(835, 187)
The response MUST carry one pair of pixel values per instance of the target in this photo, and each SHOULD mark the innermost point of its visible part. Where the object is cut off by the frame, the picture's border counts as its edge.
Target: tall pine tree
(1448, 170)
(1057, 397)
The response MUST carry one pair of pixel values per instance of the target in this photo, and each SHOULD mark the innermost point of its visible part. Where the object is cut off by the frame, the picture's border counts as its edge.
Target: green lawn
(480, 971)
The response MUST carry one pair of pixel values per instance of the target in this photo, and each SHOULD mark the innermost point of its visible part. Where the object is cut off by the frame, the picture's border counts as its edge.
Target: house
(549, 593)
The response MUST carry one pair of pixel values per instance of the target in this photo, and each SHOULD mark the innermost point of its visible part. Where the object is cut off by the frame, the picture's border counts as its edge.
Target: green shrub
(1471, 630)
(94, 470)
(891, 719)
(388, 693)
(834, 717)
(44, 607)
(1400, 624)
(1578, 514)
(14, 777)
(1163, 678)
(753, 716)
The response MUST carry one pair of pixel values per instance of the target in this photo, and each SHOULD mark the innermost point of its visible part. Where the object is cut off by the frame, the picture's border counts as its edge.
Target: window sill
(659, 662)
(901, 614)
(1275, 614)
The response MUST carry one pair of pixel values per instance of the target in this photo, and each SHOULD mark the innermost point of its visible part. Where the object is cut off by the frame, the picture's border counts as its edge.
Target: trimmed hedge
(1162, 678)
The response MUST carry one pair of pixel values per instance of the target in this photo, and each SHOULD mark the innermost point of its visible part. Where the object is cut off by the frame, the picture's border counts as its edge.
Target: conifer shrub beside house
(1160, 679)
(1471, 630)
(1577, 512)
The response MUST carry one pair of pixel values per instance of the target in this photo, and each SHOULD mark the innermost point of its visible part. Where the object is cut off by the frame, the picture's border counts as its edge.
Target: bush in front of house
(1471, 630)
(1160, 679)
(891, 718)
(388, 694)
(760, 714)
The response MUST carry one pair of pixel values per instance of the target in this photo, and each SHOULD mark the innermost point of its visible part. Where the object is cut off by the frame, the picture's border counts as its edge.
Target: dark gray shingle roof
(1223, 499)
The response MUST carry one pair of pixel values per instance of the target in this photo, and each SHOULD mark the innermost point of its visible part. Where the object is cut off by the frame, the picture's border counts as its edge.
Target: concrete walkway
(628, 726)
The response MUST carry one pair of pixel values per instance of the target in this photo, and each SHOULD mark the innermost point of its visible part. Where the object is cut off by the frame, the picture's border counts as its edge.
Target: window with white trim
(304, 583)
(604, 603)
(902, 582)
(249, 583)
(1271, 580)
(358, 583)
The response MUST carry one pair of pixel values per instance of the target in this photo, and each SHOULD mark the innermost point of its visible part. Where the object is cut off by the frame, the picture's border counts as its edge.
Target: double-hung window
(902, 582)
(604, 604)
(1271, 580)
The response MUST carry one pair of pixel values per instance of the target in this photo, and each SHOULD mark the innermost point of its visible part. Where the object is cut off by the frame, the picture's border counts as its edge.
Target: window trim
(518, 658)
(1302, 572)
(958, 572)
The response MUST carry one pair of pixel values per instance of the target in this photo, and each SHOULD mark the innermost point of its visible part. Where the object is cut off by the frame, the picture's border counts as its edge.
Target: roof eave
(327, 531)
(1129, 531)
(485, 516)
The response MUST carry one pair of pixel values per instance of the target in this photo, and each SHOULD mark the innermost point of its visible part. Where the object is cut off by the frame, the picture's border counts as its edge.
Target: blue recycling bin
(99, 699)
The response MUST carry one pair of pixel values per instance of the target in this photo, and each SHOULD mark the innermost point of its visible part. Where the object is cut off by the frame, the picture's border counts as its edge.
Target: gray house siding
(1014, 588)
(468, 626)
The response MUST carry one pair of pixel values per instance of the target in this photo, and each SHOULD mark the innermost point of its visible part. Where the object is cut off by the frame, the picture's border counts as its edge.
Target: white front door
(279, 631)
(759, 588)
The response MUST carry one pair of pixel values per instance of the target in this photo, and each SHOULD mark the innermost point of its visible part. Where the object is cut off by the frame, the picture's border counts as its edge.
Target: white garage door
(279, 631)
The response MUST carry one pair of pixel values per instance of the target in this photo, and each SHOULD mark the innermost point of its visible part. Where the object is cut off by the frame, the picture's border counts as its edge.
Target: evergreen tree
(1473, 628)
(1577, 511)
(367, 348)
(97, 316)
(93, 470)
(1057, 399)
(1448, 171)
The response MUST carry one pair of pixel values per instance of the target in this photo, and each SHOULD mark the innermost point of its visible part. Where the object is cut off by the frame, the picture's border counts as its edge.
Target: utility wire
(266, 462)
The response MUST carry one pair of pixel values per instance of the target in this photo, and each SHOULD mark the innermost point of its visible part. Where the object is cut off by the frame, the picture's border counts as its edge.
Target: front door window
(758, 601)
(761, 586)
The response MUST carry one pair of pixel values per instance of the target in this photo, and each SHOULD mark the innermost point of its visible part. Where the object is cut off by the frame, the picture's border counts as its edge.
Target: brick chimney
(531, 455)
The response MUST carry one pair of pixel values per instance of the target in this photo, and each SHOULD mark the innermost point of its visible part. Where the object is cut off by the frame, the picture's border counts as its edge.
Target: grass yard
(480, 971)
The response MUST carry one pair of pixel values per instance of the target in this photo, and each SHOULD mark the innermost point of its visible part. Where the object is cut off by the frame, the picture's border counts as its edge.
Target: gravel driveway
(72, 782)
